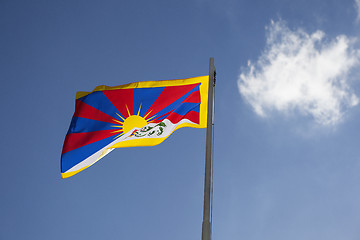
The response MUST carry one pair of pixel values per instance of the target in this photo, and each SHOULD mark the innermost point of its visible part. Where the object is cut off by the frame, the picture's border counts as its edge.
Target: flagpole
(207, 217)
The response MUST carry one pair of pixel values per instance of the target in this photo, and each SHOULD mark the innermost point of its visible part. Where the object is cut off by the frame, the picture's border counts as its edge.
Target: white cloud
(357, 6)
(301, 72)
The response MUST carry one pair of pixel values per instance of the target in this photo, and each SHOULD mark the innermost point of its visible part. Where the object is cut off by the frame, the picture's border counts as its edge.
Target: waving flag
(136, 114)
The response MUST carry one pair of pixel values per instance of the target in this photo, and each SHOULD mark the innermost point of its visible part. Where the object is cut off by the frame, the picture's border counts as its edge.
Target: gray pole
(206, 225)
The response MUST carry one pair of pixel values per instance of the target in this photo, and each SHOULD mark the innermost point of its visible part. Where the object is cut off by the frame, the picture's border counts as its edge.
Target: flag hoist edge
(131, 115)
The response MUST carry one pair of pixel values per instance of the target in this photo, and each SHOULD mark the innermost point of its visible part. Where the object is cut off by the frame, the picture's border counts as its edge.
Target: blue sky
(287, 117)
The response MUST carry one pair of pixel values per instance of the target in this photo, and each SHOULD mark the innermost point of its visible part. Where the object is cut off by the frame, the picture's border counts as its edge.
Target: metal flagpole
(206, 225)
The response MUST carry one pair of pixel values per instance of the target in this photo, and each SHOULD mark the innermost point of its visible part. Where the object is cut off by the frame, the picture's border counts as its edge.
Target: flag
(131, 115)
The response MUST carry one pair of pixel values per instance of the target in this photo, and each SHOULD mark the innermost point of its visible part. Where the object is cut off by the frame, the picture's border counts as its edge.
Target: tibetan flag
(131, 115)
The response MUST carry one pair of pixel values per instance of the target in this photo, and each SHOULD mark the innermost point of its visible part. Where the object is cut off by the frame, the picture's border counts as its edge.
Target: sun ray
(119, 122)
(147, 115)
(151, 118)
(117, 131)
(128, 111)
(118, 135)
(139, 110)
(117, 126)
(120, 116)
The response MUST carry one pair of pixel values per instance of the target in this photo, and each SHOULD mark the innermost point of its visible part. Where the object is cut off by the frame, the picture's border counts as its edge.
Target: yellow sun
(131, 122)
(134, 121)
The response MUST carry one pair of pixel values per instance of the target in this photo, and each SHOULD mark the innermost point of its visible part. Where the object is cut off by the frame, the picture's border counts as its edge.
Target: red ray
(121, 98)
(168, 96)
(155, 120)
(76, 140)
(194, 97)
(192, 116)
(86, 111)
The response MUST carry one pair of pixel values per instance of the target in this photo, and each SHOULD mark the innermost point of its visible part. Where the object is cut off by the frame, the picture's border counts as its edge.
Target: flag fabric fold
(131, 115)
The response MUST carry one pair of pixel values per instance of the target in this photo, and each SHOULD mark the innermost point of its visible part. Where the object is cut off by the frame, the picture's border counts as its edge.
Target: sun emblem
(131, 121)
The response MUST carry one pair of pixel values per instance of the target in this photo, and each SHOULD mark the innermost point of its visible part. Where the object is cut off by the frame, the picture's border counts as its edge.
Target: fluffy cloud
(303, 73)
